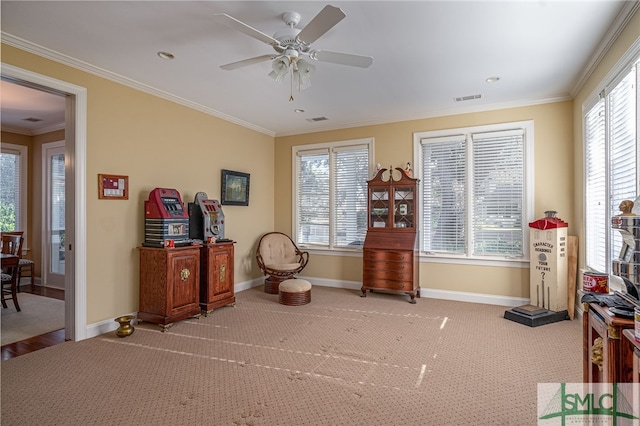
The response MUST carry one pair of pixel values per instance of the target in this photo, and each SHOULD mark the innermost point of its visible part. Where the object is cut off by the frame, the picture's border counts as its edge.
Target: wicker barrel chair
(280, 259)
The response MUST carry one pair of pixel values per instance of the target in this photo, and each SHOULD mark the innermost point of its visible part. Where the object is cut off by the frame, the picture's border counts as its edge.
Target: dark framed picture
(235, 188)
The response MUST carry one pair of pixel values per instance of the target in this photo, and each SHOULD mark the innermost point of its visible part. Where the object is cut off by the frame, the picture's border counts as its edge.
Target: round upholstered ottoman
(294, 292)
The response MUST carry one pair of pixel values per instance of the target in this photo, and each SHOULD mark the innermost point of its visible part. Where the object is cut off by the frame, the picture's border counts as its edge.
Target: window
(13, 181)
(330, 193)
(611, 120)
(476, 191)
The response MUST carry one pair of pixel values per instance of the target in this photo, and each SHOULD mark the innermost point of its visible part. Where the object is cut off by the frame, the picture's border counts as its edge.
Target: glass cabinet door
(404, 208)
(379, 203)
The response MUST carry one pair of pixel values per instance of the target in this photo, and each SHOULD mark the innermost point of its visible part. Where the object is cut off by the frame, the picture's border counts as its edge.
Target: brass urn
(125, 328)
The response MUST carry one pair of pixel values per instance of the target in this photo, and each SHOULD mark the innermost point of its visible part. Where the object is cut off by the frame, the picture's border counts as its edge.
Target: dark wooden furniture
(390, 251)
(24, 264)
(169, 284)
(9, 264)
(216, 276)
(629, 334)
(607, 356)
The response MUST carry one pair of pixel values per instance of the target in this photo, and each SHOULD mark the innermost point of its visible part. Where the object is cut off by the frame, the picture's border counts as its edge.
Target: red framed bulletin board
(113, 187)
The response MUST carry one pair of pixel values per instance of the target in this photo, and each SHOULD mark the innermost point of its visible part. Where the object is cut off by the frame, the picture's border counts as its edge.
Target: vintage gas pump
(548, 273)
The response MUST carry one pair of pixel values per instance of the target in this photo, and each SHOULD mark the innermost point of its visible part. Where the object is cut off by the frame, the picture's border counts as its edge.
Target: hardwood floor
(32, 344)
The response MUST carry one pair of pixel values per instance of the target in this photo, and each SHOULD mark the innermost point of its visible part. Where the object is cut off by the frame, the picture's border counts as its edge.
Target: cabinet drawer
(387, 274)
(388, 284)
(390, 265)
(394, 256)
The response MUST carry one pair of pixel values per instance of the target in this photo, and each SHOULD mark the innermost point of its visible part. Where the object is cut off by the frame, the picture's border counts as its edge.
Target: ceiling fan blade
(321, 23)
(245, 62)
(342, 58)
(233, 23)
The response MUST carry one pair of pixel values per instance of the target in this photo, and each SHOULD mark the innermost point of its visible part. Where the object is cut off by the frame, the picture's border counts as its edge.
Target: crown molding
(46, 53)
(626, 13)
(433, 114)
(33, 132)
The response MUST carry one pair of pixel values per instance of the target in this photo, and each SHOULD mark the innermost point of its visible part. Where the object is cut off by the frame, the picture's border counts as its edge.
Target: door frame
(75, 209)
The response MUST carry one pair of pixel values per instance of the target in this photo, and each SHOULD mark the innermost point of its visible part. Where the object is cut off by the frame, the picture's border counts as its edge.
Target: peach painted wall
(157, 143)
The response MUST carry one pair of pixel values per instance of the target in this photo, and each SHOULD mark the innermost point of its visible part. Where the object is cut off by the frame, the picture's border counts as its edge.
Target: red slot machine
(166, 222)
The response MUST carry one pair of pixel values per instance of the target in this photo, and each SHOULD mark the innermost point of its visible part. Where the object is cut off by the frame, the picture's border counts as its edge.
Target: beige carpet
(38, 315)
(340, 360)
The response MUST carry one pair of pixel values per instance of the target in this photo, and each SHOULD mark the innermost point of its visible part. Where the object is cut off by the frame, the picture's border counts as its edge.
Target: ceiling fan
(292, 45)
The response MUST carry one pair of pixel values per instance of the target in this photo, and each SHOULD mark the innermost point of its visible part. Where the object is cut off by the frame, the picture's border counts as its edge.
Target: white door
(53, 217)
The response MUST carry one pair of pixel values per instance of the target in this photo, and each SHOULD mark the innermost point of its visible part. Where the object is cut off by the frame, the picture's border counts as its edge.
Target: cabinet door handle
(184, 274)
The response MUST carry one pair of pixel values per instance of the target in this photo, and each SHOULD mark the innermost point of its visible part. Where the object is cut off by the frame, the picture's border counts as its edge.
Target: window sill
(522, 263)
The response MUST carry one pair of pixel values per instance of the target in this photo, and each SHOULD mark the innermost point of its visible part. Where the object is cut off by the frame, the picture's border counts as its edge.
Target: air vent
(32, 119)
(467, 98)
(317, 119)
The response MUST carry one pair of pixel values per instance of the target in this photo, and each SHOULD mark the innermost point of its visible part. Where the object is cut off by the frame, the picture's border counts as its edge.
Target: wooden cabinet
(216, 276)
(607, 356)
(390, 251)
(169, 284)
(629, 334)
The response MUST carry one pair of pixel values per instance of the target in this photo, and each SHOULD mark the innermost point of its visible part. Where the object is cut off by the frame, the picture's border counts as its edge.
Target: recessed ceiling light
(492, 79)
(299, 111)
(166, 55)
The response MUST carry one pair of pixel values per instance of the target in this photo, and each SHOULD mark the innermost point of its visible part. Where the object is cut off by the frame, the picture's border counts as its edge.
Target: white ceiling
(426, 54)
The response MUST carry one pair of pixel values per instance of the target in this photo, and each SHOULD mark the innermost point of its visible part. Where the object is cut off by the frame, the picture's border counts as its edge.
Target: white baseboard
(487, 299)
(111, 325)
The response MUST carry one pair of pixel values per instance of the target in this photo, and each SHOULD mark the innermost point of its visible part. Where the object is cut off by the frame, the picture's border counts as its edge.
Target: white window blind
(611, 164)
(331, 194)
(596, 189)
(444, 194)
(313, 198)
(498, 193)
(351, 171)
(476, 191)
(13, 183)
(622, 139)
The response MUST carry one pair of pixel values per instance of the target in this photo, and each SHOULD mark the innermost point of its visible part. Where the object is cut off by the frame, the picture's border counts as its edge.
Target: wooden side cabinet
(169, 284)
(390, 254)
(607, 356)
(216, 276)
(629, 334)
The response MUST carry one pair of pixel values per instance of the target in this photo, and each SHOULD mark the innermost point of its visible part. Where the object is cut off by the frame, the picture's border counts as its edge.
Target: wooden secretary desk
(390, 255)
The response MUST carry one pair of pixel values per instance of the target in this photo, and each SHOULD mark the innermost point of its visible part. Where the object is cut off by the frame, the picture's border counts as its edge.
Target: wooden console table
(607, 356)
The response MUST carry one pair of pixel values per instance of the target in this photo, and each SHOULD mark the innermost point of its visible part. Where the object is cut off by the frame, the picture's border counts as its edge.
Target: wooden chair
(24, 264)
(11, 244)
(280, 259)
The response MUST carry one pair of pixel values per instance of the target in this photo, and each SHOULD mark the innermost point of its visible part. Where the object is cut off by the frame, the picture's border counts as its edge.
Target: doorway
(74, 200)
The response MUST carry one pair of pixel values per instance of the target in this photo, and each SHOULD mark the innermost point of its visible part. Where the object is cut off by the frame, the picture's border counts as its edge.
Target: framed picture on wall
(235, 188)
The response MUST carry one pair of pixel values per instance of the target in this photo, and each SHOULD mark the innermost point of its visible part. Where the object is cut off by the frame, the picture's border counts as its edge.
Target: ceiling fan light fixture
(279, 69)
(303, 73)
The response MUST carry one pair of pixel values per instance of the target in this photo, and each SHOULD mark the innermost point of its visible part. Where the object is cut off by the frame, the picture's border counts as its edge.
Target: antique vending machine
(166, 223)
(548, 273)
(206, 219)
